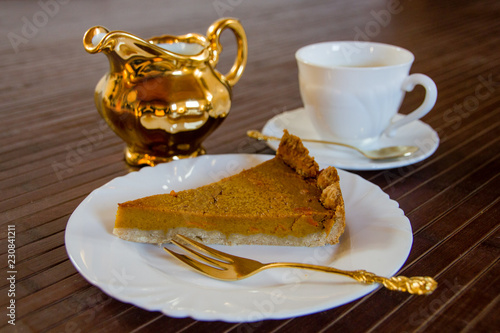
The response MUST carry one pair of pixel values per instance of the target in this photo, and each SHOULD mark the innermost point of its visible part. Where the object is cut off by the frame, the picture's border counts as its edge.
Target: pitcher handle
(430, 99)
(213, 35)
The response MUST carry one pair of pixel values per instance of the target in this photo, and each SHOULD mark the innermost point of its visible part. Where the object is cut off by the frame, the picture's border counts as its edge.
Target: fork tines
(217, 260)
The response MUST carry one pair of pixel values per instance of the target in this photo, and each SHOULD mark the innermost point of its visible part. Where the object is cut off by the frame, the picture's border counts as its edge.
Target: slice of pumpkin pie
(284, 201)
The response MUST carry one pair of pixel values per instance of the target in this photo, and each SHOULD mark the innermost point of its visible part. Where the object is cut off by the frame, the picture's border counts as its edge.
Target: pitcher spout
(118, 46)
(94, 39)
(121, 47)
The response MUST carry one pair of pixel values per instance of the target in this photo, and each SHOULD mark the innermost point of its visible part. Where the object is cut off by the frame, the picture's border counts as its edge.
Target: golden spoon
(376, 154)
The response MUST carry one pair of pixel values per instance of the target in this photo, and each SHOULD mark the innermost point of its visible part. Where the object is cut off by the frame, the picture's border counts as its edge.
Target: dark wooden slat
(83, 308)
(447, 297)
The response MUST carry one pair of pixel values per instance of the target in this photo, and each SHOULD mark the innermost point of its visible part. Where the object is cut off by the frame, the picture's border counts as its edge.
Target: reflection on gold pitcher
(163, 96)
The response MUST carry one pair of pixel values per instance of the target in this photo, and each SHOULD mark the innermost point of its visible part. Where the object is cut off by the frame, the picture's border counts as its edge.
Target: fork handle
(418, 285)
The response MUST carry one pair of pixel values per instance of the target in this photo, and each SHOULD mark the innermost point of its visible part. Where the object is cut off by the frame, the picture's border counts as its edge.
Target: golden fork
(224, 266)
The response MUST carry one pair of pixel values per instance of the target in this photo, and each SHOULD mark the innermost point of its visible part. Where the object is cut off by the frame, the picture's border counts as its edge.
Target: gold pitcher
(163, 96)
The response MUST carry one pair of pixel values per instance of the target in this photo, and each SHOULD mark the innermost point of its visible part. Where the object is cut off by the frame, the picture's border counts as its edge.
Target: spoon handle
(259, 136)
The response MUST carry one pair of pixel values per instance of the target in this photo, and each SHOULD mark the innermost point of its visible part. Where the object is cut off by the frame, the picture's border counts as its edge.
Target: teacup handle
(430, 99)
(213, 34)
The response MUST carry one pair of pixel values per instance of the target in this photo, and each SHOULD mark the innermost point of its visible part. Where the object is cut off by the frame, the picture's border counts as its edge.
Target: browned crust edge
(291, 150)
(331, 198)
(293, 153)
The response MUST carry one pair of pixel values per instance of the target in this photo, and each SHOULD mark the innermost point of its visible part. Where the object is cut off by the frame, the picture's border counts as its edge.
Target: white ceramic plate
(378, 238)
(416, 133)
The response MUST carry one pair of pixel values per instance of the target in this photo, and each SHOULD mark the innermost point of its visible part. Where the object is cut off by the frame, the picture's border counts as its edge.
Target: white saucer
(416, 133)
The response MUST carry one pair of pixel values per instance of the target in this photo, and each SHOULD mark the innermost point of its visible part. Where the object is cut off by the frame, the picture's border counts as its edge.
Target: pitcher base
(135, 158)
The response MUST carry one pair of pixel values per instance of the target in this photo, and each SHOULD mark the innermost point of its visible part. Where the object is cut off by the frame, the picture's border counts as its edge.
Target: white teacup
(352, 90)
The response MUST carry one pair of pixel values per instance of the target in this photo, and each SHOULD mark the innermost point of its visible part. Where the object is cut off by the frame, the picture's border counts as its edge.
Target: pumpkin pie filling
(274, 203)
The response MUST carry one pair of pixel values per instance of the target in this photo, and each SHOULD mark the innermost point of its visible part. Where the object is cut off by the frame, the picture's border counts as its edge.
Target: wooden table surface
(47, 110)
